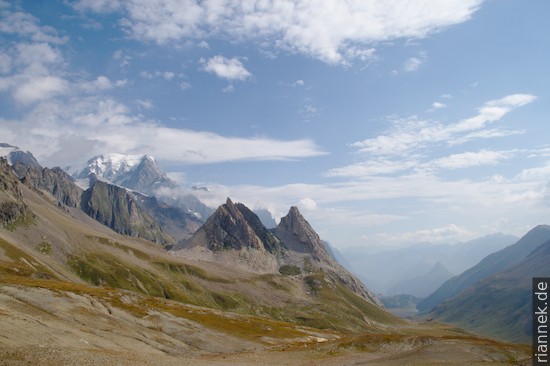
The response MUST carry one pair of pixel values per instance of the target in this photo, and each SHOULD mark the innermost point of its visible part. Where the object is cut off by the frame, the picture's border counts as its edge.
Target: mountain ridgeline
(228, 286)
(234, 234)
(490, 265)
(231, 261)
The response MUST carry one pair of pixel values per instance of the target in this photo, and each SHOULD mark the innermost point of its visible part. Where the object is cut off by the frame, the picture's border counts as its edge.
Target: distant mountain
(142, 174)
(126, 212)
(499, 305)
(490, 265)
(423, 285)
(335, 253)
(265, 217)
(400, 301)
(174, 221)
(136, 172)
(382, 267)
(13, 155)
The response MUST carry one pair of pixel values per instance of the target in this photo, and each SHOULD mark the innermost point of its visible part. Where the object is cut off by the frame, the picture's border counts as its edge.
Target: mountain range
(112, 275)
(490, 265)
(494, 297)
(414, 269)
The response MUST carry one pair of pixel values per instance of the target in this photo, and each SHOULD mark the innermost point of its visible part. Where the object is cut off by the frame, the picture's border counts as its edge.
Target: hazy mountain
(382, 267)
(180, 224)
(423, 285)
(13, 155)
(140, 173)
(499, 305)
(335, 253)
(400, 301)
(490, 265)
(265, 217)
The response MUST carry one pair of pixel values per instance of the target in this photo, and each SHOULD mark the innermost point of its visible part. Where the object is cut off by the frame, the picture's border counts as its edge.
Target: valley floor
(45, 322)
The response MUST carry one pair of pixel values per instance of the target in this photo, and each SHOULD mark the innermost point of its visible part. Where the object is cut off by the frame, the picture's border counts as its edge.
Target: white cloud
(298, 83)
(26, 25)
(166, 75)
(106, 125)
(145, 103)
(5, 63)
(101, 83)
(184, 85)
(228, 89)
(438, 105)
(40, 89)
(230, 69)
(372, 167)
(409, 134)
(333, 31)
(412, 64)
(470, 159)
(307, 204)
(439, 235)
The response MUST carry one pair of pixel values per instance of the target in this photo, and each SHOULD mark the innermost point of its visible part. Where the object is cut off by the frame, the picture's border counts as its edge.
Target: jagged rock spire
(298, 235)
(233, 226)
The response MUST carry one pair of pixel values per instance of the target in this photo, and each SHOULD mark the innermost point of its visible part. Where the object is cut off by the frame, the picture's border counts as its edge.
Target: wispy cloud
(333, 31)
(471, 159)
(411, 133)
(78, 113)
(437, 105)
(106, 125)
(412, 64)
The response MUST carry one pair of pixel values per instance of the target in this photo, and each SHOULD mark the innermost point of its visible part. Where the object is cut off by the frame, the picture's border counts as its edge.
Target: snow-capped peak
(136, 172)
(111, 166)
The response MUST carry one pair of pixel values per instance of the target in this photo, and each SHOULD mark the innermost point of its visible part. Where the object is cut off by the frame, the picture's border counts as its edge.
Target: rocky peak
(298, 235)
(54, 181)
(233, 226)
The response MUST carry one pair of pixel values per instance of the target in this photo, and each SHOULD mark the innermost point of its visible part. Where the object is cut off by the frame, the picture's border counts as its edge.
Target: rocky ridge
(234, 234)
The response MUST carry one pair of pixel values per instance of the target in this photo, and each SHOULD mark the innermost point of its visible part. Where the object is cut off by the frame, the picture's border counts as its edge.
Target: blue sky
(386, 122)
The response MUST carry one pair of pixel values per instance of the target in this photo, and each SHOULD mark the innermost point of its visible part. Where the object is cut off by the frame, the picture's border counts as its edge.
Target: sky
(385, 122)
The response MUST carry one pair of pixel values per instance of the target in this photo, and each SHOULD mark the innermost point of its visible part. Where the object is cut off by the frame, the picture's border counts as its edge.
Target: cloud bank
(332, 31)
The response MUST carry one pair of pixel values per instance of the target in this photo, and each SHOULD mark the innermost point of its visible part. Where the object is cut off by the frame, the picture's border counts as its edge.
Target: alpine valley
(109, 266)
